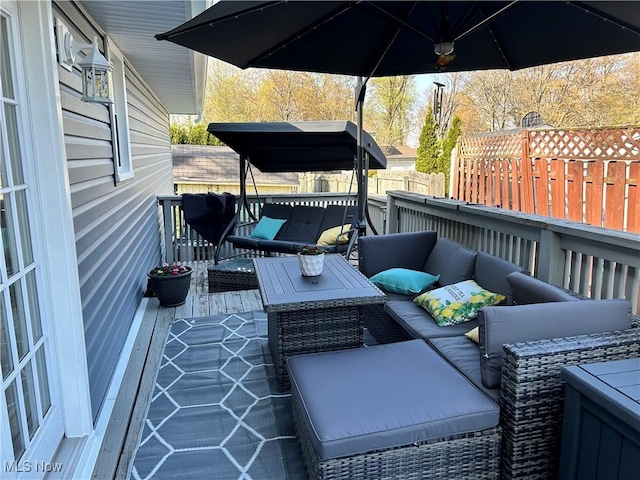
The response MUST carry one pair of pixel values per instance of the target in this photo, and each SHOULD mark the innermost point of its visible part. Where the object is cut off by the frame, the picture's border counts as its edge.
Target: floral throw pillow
(457, 303)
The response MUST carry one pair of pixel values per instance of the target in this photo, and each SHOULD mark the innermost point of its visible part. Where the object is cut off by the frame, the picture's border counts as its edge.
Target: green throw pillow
(267, 228)
(402, 280)
(457, 303)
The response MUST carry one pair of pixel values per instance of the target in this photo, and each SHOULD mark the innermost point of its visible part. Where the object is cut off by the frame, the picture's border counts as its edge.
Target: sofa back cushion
(491, 273)
(277, 210)
(528, 290)
(334, 215)
(303, 225)
(395, 250)
(520, 323)
(452, 261)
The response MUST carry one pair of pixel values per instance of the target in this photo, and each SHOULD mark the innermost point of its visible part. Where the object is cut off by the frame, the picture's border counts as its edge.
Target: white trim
(120, 136)
(51, 188)
(94, 444)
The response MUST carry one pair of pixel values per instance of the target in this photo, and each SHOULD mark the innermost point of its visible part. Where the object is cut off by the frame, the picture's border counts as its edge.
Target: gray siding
(117, 229)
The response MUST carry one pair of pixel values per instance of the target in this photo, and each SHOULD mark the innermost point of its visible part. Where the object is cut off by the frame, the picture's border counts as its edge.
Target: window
(120, 118)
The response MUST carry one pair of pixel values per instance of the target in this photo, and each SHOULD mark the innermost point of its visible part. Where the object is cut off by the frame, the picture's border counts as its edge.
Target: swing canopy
(298, 146)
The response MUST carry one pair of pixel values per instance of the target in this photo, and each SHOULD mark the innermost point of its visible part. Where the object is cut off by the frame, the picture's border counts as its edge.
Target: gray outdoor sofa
(430, 404)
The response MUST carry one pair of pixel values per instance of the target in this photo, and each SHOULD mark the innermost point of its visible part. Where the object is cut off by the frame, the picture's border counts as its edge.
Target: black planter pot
(171, 290)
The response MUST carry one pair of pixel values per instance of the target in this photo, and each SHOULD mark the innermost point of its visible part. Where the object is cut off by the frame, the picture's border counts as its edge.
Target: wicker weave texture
(382, 326)
(236, 274)
(230, 281)
(532, 401)
(470, 456)
(311, 331)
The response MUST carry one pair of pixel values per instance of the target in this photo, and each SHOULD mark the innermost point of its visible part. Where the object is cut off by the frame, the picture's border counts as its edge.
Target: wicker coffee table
(312, 314)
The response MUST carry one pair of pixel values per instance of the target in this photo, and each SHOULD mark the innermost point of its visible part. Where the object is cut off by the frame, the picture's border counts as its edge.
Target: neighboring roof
(298, 146)
(397, 152)
(221, 165)
(176, 74)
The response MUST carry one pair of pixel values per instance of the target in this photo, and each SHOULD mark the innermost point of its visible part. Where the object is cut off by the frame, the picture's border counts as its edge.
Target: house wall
(116, 225)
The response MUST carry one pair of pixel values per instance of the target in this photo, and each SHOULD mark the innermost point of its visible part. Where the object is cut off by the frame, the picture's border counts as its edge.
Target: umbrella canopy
(298, 146)
(367, 38)
(397, 38)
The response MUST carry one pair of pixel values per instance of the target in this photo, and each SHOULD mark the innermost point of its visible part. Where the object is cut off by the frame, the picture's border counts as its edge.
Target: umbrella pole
(361, 224)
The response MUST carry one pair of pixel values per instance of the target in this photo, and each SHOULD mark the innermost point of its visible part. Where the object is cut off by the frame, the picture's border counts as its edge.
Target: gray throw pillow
(452, 261)
(521, 323)
(491, 273)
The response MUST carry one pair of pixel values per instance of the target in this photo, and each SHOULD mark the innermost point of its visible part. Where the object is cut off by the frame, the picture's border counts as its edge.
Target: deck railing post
(551, 258)
(169, 229)
(392, 214)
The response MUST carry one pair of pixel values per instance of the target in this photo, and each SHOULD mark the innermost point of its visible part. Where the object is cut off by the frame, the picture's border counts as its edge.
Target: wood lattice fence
(588, 175)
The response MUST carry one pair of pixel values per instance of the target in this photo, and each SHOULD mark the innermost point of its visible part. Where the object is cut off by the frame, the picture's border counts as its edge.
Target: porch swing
(298, 147)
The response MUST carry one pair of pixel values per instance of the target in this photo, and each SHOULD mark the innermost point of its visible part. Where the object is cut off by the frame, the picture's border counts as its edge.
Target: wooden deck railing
(593, 261)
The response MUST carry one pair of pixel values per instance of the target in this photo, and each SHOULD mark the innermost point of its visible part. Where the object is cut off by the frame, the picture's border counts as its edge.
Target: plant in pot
(171, 283)
(311, 258)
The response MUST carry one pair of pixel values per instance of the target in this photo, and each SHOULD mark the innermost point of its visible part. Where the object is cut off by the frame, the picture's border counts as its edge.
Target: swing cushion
(303, 226)
(267, 228)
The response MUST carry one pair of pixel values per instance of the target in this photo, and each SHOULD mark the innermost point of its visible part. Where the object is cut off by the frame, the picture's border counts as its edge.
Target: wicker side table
(235, 274)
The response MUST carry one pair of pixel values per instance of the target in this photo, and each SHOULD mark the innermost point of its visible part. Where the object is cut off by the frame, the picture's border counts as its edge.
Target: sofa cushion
(528, 289)
(335, 215)
(457, 303)
(333, 235)
(267, 228)
(361, 400)
(521, 323)
(465, 356)
(303, 224)
(240, 241)
(410, 250)
(451, 260)
(491, 273)
(276, 210)
(404, 281)
(417, 322)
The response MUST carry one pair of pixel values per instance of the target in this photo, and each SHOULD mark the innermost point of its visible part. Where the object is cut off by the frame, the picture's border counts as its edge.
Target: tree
(429, 148)
(178, 133)
(448, 144)
(389, 108)
(584, 93)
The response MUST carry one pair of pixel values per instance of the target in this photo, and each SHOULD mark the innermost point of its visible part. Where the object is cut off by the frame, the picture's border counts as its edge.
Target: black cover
(208, 213)
(298, 146)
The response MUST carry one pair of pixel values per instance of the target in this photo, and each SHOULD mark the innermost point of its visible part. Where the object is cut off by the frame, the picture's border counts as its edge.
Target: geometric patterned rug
(216, 412)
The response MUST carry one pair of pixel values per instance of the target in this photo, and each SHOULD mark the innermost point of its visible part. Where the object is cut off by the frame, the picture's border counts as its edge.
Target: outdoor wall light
(96, 70)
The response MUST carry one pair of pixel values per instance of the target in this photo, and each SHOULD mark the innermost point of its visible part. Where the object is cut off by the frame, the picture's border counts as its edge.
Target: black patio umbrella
(370, 39)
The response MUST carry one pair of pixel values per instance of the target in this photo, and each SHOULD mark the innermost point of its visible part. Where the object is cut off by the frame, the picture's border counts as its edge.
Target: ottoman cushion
(386, 396)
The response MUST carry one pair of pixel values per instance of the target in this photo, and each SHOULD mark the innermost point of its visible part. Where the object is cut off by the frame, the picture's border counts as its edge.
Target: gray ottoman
(392, 411)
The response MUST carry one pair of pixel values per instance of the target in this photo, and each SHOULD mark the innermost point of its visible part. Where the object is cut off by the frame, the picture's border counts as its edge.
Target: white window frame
(62, 302)
(120, 137)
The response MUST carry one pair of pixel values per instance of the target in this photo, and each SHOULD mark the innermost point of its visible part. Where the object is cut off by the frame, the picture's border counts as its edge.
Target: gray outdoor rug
(216, 412)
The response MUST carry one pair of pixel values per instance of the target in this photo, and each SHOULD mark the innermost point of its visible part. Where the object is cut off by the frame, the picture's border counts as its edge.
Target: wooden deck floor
(121, 437)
